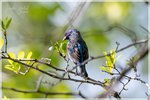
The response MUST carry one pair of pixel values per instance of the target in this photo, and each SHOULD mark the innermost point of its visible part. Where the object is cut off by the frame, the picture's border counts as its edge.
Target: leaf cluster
(5, 23)
(15, 67)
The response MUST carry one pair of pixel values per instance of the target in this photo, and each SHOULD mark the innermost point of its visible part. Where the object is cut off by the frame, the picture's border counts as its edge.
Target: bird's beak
(65, 38)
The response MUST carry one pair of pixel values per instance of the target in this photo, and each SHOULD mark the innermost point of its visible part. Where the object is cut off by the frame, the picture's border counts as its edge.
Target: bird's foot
(85, 76)
(77, 73)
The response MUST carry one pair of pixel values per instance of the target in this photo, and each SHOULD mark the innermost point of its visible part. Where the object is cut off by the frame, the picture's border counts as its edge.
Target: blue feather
(77, 49)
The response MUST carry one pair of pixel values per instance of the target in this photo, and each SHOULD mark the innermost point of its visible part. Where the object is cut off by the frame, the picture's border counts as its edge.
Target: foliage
(107, 82)
(1, 42)
(5, 23)
(5, 98)
(15, 67)
(60, 47)
(110, 63)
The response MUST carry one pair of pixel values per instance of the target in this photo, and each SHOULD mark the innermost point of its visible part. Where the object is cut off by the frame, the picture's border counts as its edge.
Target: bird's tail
(83, 71)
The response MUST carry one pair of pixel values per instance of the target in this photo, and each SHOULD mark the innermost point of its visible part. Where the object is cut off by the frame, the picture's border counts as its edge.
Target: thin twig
(5, 36)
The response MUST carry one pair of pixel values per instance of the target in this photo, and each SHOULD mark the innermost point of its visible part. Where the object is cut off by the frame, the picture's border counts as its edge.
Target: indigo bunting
(77, 49)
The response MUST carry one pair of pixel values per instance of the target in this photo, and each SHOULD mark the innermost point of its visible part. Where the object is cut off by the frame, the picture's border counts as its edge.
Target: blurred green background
(38, 25)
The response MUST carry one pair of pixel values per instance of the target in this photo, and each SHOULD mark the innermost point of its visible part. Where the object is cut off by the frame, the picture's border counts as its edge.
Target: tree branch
(88, 80)
(117, 51)
(44, 92)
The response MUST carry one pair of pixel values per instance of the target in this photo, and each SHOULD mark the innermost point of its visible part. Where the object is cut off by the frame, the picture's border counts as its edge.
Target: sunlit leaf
(18, 69)
(107, 82)
(9, 67)
(29, 55)
(21, 55)
(12, 55)
(110, 61)
(104, 68)
(1, 42)
(5, 98)
(14, 66)
(106, 56)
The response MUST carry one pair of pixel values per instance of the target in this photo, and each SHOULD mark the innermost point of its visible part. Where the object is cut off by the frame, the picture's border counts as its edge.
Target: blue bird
(77, 49)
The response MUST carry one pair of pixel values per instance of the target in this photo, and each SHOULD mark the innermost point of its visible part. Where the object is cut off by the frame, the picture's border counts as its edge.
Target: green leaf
(8, 23)
(3, 26)
(110, 61)
(5, 23)
(56, 46)
(16, 67)
(10, 67)
(63, 46)
(12, 55)
(104, 68)
(5, 98)
(1, 42)
(107, 82)
(29, 55)
(21, 55)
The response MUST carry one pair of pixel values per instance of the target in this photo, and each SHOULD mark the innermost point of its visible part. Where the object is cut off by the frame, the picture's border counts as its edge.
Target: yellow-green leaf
(107, 82)
(12, 55)
(29, 55)
(18, 69)
(63, 46)
(9, 67)
(8, 22)
(111, 60)
(1, 42)
(104, 68)
(5, 98)
(21, 55)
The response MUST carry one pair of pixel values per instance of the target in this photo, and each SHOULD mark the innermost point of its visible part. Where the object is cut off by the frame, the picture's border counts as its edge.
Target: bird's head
(72, 34)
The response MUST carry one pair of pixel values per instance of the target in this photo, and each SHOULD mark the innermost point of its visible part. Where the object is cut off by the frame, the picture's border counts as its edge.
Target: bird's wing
(78, 52)
(85, 51)
(73, 52)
